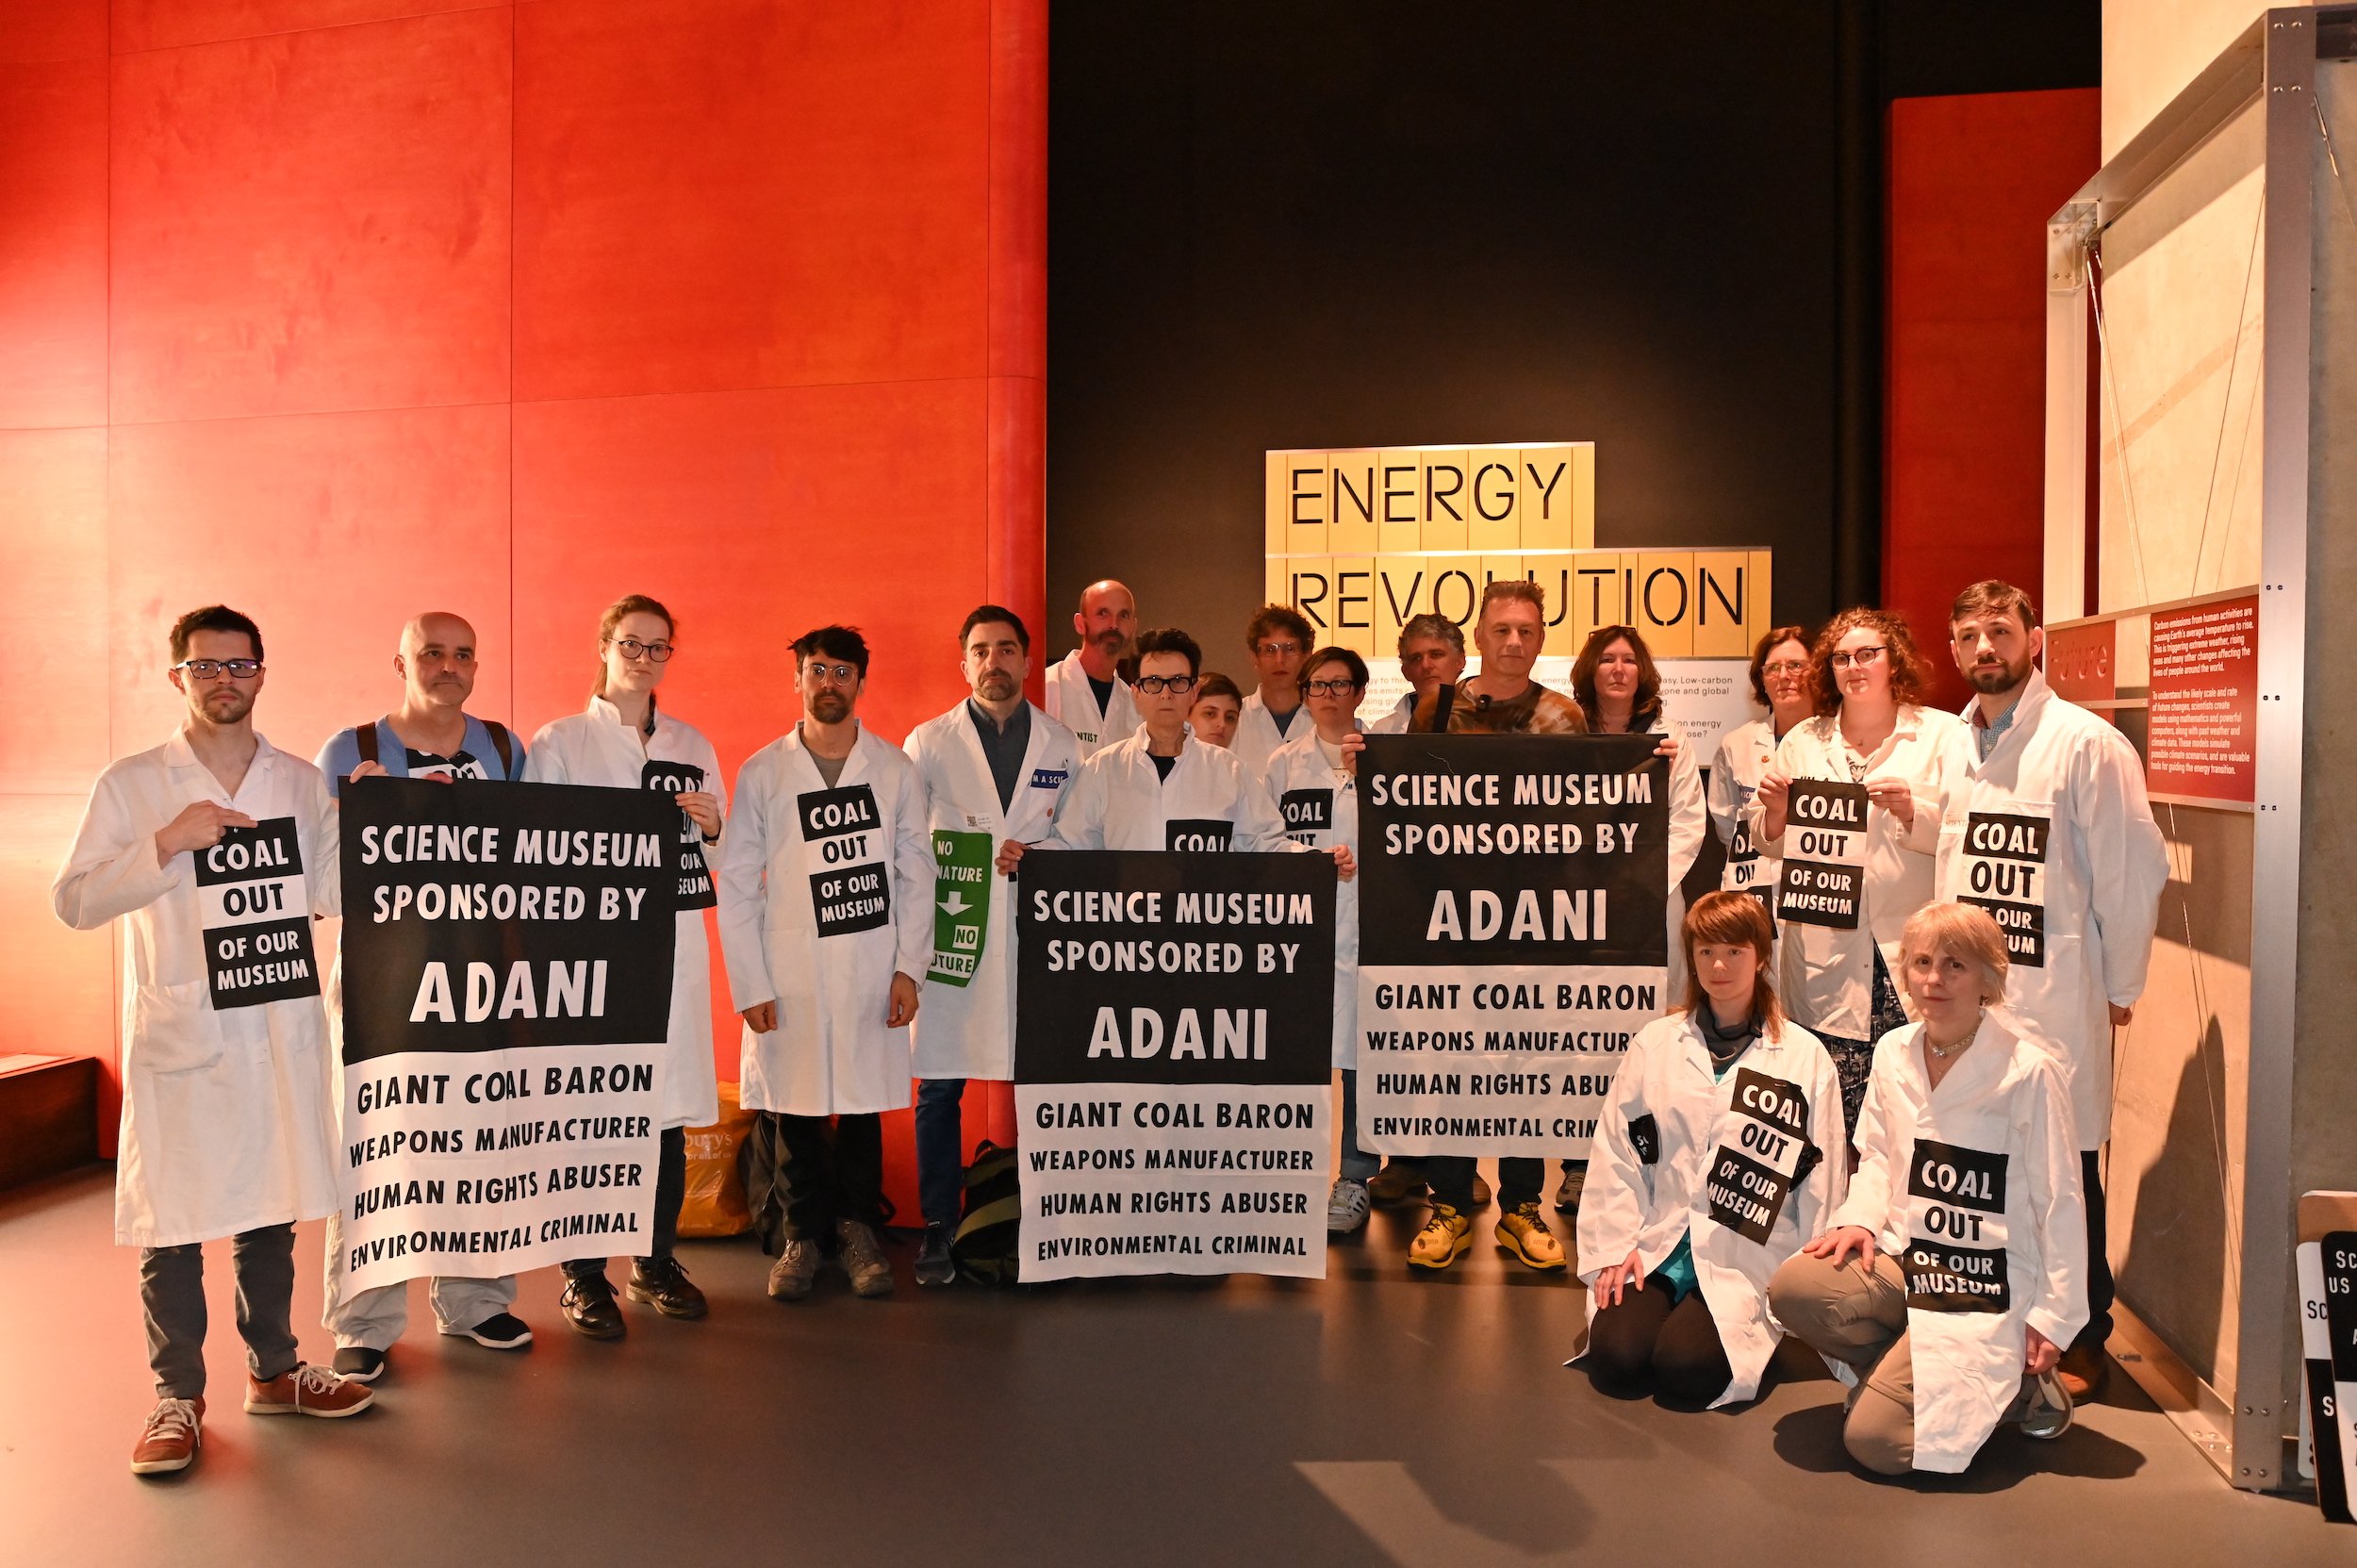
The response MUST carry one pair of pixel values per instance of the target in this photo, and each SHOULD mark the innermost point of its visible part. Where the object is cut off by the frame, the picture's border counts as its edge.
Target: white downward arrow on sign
(955, 904)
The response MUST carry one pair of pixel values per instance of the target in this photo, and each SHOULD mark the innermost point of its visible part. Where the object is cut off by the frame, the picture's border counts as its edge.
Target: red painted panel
(52, 30)
(69, 1008)
(330, 530)
(745, 193)
(53, 557)
(53, 243)
(1972, 180)
(1018, 189)
(167, 24)
(313, 221)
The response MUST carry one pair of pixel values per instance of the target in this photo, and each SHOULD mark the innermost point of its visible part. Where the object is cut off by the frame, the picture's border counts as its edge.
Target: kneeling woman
(1965, 1216)
(1709, 1169)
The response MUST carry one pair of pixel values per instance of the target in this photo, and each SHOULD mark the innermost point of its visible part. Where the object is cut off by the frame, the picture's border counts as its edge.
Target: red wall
(339, 309)
(1972, 180)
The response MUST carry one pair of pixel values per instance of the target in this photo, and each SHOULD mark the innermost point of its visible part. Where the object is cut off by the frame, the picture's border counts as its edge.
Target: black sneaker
(663, 1285)
(935, 1263)
(359, 1364)
(589, 1305)
(500, 1331)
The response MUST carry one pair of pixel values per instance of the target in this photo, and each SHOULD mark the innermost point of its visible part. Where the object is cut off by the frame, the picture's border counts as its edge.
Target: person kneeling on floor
(1710, 1168)
(1964, 1217)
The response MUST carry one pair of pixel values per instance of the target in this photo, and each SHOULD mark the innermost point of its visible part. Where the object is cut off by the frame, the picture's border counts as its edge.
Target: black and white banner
(1823, 880)
(257, 916)
(1752, 1177)
(671, 780)
(1173, 1063)
(1955, 1257)
(1511, 935)
(2004, 872)
(506, 984)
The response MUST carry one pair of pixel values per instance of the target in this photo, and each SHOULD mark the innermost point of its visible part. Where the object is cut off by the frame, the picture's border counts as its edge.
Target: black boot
(665, 1286)
(589, 1305)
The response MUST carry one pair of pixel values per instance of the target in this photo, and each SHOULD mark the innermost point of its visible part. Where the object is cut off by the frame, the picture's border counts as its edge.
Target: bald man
(1084, 692)
(430, 735)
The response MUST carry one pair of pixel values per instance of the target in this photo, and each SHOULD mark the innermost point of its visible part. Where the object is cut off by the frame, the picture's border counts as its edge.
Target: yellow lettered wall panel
(1665, 602)
(1353, 616)
(1399, 583)
(1305, 483)
(1759, 609)
(1543, 511)
(1351, 503)
(1453, 589)
(1596, 588)
(1490, 489)
(1441, 501)
(1400, 514)
(1275, 483)
(1583, 496)
(1721, 579)
(1278, 583)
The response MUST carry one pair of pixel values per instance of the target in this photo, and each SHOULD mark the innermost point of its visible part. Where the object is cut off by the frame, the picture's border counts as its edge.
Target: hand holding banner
(1824, 883)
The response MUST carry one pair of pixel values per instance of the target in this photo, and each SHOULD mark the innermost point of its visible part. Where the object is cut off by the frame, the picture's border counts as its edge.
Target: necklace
(1944, 1053)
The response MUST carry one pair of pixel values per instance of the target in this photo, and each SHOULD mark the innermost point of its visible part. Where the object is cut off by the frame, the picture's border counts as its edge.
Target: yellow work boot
(1524, 1233)
(1442, 1241)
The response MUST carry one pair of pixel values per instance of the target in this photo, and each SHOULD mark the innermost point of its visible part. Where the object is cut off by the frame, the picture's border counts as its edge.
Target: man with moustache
(2059, 843)
(1085, 691)
(430, 735)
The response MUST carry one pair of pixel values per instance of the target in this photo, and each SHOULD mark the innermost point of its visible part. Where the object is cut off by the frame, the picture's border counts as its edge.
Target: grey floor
(1371, 1418)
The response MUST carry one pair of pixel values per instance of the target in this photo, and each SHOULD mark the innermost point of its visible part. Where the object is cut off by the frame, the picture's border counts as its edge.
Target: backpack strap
(503, 746)
(1443, 702)
(366, 736)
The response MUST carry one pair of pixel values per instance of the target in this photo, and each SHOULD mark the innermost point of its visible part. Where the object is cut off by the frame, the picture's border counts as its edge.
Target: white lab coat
(1690, 818)
(1257, 736)
(2004, 1100)
(595, 747)
(1745, 754)
(1643, 1206)
(228, 1123)
(1072, 702)
(1306, 787)
(1395, 722)
(1121, 801)
(832, 1052)
(2105, 866)
(1827, 976)
(969, 1030)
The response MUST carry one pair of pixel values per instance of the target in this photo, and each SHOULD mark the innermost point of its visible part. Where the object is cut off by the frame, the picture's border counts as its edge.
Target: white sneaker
(1346, 1206)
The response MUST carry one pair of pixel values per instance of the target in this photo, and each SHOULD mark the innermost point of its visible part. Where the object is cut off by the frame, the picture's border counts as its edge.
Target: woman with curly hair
(1871, 728)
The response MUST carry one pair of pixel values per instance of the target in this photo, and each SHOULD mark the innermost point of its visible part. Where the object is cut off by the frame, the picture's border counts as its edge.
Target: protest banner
(1174, 1093)
(1823, 880)
(506, 986)
(1512, 935)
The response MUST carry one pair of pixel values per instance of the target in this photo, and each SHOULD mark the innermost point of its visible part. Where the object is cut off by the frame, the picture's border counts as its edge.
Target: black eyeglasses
(631, 648)
(1329, 689)
(205, 670)
(1154, 685)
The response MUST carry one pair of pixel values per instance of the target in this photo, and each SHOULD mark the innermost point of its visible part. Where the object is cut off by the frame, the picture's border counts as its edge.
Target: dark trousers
(671, 1191)
(2099, 1288)
(941, 1150)
(1520, 1181)
(171, 1298)
(832, 1170)
(1644, 1342)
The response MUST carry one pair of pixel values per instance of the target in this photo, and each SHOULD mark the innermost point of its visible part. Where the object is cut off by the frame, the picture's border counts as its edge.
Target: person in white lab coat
(994, 769)
(1431, 655)
(623, 740)
(1721, 1150)
(1213, 716)
(1869, 683)
(1779, 683)
(1161, 789)
(2059, 843)
(1084, 690)
(430, 735)
(827, 924)
(227, 1125)
(1278, 640)
(1313, 780)
(1963, 1218)
(1617, 687)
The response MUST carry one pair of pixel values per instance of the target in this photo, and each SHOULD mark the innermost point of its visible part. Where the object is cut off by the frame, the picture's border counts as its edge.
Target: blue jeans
(1358, 1165)
(940, 1150)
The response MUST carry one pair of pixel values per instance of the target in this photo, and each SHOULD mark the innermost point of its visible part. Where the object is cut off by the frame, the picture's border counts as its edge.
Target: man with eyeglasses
(219, 850)
(1278, 640)
(827, 924)
(2057, 841)
(1431, 655)
(995, 771)
(1085, 689)
(430, 735)
(1161, 789)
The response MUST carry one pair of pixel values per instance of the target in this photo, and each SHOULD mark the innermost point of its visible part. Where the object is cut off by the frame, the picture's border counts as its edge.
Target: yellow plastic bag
(715, 1190)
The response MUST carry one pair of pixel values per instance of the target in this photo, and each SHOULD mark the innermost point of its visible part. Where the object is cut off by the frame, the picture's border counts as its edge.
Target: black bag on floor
(985, 1245)
(759, 1163)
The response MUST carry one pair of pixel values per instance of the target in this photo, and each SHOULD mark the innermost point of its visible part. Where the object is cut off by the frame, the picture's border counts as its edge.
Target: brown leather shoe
(306, 1391)
(1401, 1181)
(171, 1438)
(2082, 1369)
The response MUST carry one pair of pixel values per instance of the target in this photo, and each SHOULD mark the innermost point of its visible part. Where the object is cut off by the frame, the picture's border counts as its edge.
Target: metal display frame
(2247, 1430)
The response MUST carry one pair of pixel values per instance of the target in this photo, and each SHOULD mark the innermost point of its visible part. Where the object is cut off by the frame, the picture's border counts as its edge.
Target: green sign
(960, 905)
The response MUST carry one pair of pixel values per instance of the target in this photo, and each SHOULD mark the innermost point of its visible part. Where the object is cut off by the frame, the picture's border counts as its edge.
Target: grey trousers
(171, 1298)
(375, 1318)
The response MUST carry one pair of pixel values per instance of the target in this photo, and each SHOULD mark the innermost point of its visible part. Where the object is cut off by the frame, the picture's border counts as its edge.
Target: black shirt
(1104, 690)
(1164, 764)
(1003, 749)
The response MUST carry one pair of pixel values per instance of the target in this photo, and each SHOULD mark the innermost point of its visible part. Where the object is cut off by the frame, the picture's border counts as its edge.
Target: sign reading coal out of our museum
(1511, 938)
(1173, 1063)
(256, 906)
(1824, 879)
(506, 983)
